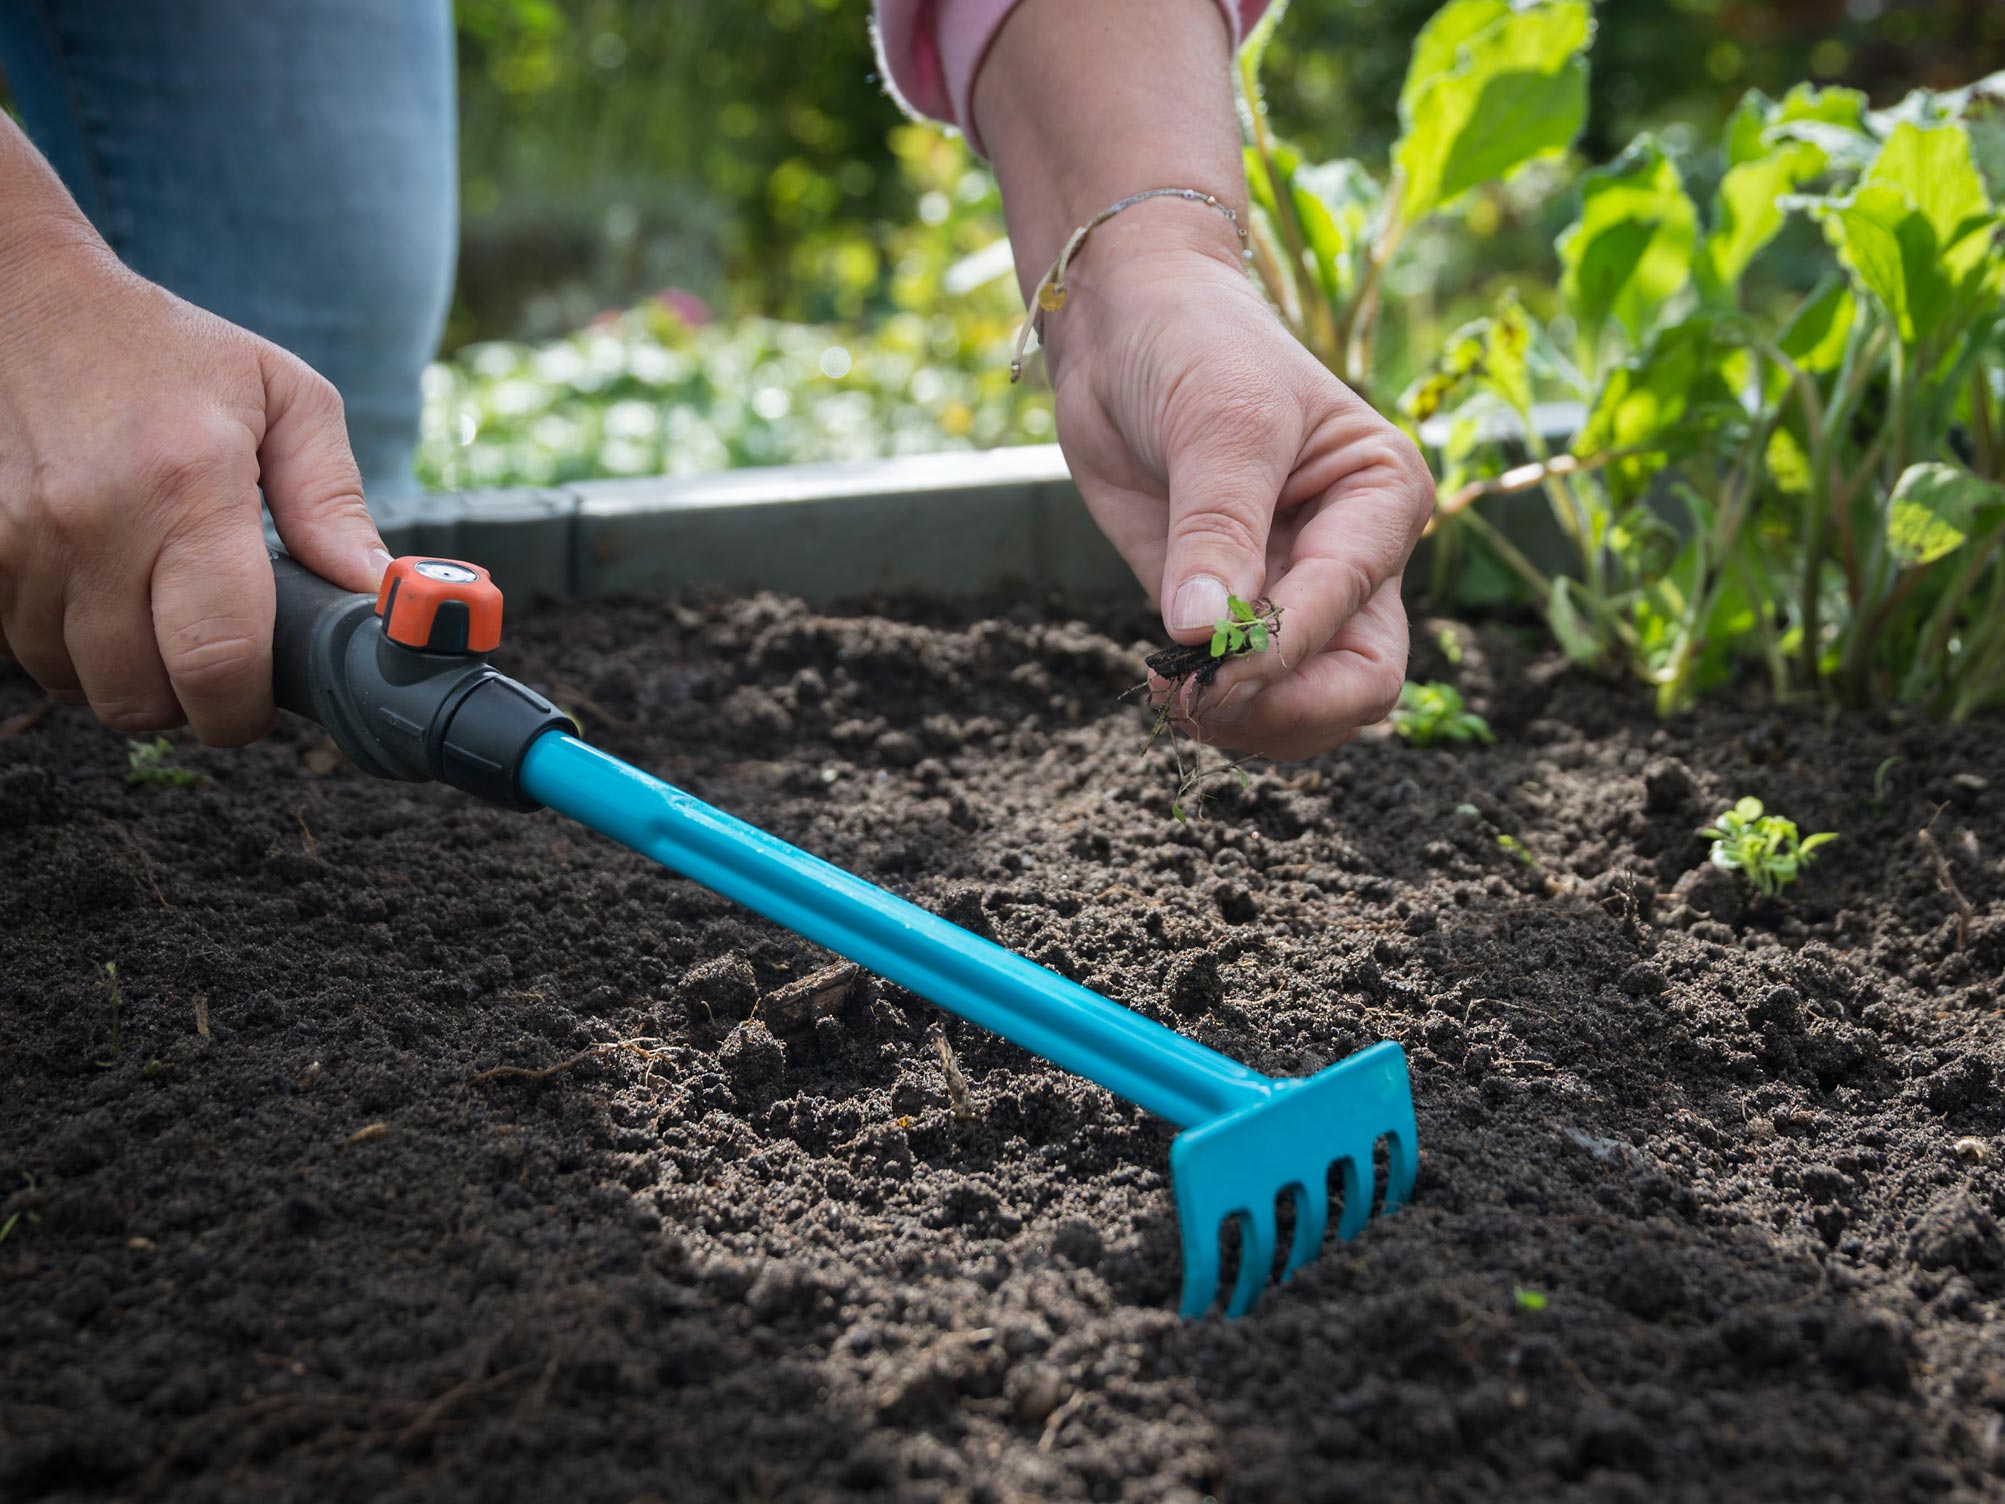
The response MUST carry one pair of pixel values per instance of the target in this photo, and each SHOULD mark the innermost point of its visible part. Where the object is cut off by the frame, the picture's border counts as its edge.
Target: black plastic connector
(400, 712)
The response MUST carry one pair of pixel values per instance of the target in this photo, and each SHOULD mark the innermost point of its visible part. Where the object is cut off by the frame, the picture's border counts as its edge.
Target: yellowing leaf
(1935, 508)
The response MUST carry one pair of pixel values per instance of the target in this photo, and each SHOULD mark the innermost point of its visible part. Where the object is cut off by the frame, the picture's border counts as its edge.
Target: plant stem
(1315, 308)
(1523, 567)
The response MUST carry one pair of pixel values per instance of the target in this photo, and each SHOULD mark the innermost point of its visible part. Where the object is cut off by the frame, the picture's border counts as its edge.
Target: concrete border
(942, 524)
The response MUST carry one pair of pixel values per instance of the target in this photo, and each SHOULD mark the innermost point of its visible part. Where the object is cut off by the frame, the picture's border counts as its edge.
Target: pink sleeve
(931, 50)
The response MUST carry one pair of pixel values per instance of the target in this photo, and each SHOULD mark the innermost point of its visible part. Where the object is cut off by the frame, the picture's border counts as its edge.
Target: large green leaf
(1491, 86)
(1936, 508)
(1758, 121)
(1816, 334)
(1747, 212)
(1917, 233)
(1631, 248)
(1660, 404)
(1933, 168)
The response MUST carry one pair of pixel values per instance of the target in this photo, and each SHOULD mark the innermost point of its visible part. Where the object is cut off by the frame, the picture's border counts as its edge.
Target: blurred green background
(803, 268)
(746, 151)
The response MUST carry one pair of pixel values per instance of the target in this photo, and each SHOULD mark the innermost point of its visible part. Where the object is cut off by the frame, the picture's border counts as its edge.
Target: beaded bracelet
(1050, 294)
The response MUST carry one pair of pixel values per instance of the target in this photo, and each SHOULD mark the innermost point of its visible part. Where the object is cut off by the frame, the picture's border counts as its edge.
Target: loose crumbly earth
(278, 1230)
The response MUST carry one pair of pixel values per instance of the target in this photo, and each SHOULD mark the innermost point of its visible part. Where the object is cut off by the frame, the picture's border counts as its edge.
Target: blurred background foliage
(803, 268)
(746, 150)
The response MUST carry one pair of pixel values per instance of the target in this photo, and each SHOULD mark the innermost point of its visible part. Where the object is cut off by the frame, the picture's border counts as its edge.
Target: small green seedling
(115, 999)
(1240, 631)
(1529, 1300)
(1880, 774)
(1762, 847)
(150, 762)
(1429, 714)
(1245, 629)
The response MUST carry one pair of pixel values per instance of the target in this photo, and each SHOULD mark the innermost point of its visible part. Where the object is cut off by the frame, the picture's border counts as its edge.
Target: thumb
(310, 480)
(1222, 500)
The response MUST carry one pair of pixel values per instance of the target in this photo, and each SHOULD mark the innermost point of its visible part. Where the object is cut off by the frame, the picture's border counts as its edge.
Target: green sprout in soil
(1887, 765)
(1530, 1300)
(1429, 714)
(1763, 848)
(1243, 631)
(151, 762)
(115, 1000)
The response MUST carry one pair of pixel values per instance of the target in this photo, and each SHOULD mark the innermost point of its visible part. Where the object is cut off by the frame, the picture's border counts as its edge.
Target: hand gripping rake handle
(1249, 1137)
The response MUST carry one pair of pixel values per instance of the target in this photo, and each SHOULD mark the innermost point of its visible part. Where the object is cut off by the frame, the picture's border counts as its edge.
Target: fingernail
(1199, 602)
(379, 557)
(1237, 704)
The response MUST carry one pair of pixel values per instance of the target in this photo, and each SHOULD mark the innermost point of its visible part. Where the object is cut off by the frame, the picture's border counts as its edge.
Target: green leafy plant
(1492, 87)
(1188, 670)
(152, 762)
(1763, 848)
(1531, 1301)
(1240, 631)
(1430, 714)
(1819, 491)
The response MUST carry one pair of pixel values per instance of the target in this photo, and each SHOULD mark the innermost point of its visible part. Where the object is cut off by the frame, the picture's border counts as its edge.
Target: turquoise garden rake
(403, 685)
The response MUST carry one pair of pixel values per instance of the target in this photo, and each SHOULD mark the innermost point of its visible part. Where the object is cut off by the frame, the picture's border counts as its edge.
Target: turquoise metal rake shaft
(1248, 1138)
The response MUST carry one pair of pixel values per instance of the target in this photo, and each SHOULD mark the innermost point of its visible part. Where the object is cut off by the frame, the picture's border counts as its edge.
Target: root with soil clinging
(1947, 879)
(1250, 629)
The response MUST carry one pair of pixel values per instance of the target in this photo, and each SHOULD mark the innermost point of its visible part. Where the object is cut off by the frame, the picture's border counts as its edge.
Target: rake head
(1237, 1166)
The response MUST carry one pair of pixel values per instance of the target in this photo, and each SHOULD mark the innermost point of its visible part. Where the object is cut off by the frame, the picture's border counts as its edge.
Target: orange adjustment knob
(440, 606)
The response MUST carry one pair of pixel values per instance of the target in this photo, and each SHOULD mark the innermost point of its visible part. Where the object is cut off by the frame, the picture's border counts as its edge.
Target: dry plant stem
(1964, 912)
(1523, 478)
(14, 725)
(140, 856)
(646, 1047)
(957, 1084)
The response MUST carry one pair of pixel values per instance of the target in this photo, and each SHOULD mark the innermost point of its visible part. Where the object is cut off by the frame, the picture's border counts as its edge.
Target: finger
(33, 628)
(108, 630)
(1354, 682)
(1357, 538)
(1226, 468)
(310, 480)
(212, 617)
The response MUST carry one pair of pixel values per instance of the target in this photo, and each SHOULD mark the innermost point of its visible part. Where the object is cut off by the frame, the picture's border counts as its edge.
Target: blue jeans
(287, 164)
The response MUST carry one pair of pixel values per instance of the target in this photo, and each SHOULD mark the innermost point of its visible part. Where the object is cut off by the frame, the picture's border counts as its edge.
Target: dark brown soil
(283, 1231)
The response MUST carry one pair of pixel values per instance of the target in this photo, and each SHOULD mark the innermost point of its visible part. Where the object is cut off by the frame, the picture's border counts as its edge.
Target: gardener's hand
(1220, 457)
(1215, 452)
(135, 430)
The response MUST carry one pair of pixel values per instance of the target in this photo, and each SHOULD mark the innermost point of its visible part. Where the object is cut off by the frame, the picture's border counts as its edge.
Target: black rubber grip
(307, 608)
(401, 712)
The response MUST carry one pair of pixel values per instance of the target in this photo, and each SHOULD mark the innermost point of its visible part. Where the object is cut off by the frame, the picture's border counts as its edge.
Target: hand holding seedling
(135, 432)
(1218, 455)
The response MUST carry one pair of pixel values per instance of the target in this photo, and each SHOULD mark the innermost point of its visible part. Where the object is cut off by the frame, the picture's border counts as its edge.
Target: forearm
(1081, 105)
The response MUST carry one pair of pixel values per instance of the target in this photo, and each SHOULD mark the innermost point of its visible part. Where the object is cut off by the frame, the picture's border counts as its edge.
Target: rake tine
(1312, 1213)
(1401, 1173)
(1200, 1256)
(1257, 1236)
(1357, 1195)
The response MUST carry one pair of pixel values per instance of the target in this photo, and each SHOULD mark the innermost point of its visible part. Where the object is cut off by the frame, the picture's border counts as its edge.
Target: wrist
(1126, 262)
